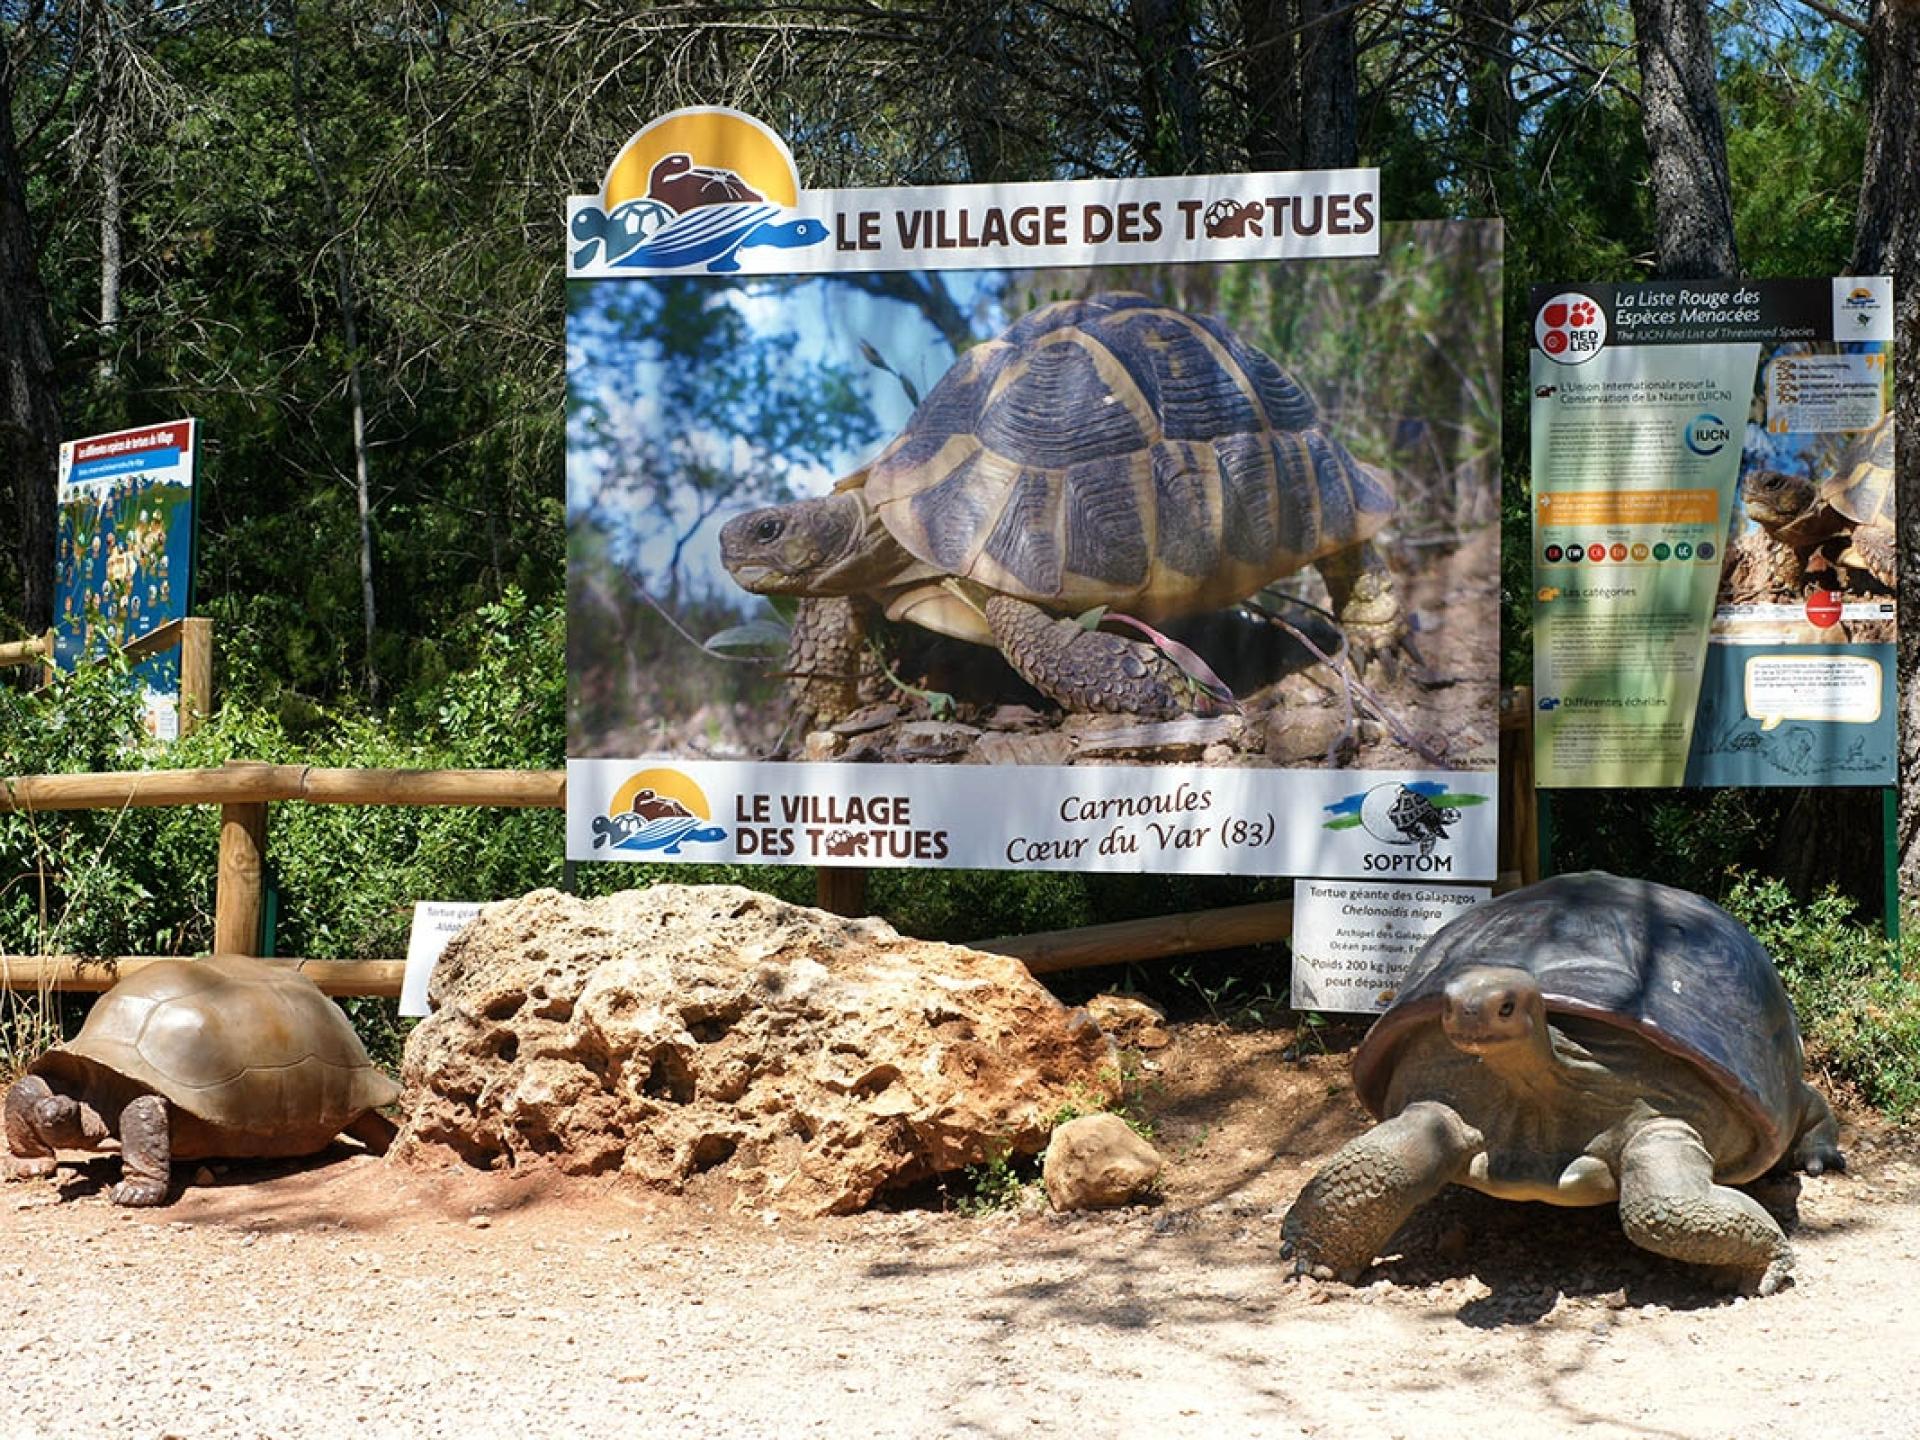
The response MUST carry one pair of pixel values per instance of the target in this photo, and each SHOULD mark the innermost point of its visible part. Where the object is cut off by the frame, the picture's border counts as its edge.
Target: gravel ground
(349, 1297)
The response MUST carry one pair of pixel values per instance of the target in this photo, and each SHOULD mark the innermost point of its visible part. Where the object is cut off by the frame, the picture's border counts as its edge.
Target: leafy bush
(1857, 993)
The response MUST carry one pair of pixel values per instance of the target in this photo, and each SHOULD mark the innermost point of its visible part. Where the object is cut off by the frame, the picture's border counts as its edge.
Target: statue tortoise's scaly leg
(1085, 669)
(1372, 1184)
(146, 1153)
(1670, 1205)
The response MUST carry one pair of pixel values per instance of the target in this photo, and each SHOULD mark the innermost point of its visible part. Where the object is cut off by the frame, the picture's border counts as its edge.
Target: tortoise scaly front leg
(1083, 669)
(1670, 1205)
(40, 1121)
(1372, 1184)
(146, 1153)
(826, 656)
(1364, 600)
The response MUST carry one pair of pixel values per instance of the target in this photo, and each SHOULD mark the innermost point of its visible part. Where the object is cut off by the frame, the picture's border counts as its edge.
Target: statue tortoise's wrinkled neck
(1497, 1013)
(833, 545)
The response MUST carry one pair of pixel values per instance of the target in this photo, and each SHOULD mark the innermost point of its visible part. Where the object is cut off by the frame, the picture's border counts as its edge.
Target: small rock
(933, 740)
(479, 1222)
(823, 745)
(1295, 736)
(203, 1176)
(1096, 1162)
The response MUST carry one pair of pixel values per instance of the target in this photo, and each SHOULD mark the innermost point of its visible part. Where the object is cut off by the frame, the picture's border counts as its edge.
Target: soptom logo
(1403, 817)
(1571, 328)
(693, 189)
(657, 809)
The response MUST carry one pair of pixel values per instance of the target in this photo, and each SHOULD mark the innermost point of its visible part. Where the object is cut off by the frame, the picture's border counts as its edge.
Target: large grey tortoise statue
(1582, 1041)
(192, 1059)
(1106, 452)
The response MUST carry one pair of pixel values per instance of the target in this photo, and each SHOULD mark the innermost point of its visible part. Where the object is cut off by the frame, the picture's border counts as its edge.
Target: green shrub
(1857, 993)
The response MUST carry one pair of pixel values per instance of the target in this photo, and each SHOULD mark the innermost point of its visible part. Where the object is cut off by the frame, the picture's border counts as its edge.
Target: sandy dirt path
(349, 1298)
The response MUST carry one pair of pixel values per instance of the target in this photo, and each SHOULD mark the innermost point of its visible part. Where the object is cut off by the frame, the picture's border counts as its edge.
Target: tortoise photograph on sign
(1238, 514)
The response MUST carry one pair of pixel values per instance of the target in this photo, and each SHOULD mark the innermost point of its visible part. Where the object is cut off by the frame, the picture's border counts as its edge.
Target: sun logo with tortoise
(691, 191)
(657, 809)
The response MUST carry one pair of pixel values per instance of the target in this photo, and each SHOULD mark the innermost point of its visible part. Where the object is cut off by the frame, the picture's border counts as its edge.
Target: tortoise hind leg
(1816, 1149)
(373, 1130)
(1372, 1184)
(146, 1153)
(1364, 601)
(1083, 669)
(1670, 1205)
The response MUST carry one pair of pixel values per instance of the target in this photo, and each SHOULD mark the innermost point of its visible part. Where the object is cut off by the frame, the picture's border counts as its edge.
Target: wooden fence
(245, 792)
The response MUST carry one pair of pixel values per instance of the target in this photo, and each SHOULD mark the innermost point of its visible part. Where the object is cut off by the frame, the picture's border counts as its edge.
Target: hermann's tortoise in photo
(192, 1059)
(1107, 452)
(1846, 520)
(1584, 1041)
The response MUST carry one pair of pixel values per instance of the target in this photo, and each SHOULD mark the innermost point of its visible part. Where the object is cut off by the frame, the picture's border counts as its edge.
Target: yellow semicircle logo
(714, 138)
(668, 785)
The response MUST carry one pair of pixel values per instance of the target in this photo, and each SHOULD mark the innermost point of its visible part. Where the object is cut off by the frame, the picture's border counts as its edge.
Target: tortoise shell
(1664, 964)
(253, 1051)
(1861, 487)
(1114, 451)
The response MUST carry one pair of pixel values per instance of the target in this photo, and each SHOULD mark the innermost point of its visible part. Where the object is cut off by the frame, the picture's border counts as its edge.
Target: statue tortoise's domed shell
(253, 1050)
(1113, 451)
(1662, 963)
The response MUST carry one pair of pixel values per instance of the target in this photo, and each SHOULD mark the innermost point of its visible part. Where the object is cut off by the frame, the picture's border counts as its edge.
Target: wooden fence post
(237, 888)
(196, 672)
(842, 889)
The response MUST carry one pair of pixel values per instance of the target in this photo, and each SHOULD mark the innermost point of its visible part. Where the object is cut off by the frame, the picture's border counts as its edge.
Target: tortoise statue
(1106, 452)
(190, 1059)
(1846, 520)
(1584, 1041)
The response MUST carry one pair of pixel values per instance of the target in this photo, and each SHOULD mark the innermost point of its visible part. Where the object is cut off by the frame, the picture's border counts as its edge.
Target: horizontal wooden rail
(30, 651)
(86, 973)
(1159, 937)
(1123, 942)
(246, 783)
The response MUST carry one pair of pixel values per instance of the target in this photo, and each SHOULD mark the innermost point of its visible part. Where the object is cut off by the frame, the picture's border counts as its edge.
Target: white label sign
(1354, 943)
(435, 922)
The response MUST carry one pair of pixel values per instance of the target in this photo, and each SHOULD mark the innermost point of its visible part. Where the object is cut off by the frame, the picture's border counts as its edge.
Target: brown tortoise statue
(192, 1059)
(1584, 1041)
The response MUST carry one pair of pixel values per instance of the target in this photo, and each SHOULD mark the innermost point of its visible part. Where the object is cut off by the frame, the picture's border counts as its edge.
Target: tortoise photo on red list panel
(196, 1059)
(1584, 1041)
(1107, 452)
(1844, 522)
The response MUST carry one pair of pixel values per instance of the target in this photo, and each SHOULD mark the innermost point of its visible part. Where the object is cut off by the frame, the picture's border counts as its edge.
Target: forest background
(332, 231)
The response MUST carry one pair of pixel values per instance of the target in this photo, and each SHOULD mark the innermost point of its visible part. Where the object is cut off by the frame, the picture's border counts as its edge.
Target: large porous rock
(806, 1060)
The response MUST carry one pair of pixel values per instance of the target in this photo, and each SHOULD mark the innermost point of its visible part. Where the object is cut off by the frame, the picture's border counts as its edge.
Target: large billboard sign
(1122, 524)
(124, 553)
(1713, 533)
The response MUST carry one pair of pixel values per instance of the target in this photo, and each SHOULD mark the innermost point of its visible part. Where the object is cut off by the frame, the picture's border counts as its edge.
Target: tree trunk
(1486, 36)
(1272, 77)
(1329, 85)
(110, 207)
(1680, 116)
(29, 403)
(347, 297)
(1171, 143)
(1887, 242)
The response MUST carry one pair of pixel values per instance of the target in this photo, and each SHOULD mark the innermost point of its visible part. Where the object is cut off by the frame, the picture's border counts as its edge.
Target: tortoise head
(1774, 498)
(832, 545)
(1494, 1010)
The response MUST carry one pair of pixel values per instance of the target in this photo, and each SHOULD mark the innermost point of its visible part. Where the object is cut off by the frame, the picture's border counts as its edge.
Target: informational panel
(124, 559)
(1354, 943)
(1713, 536)
(1020, 526)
